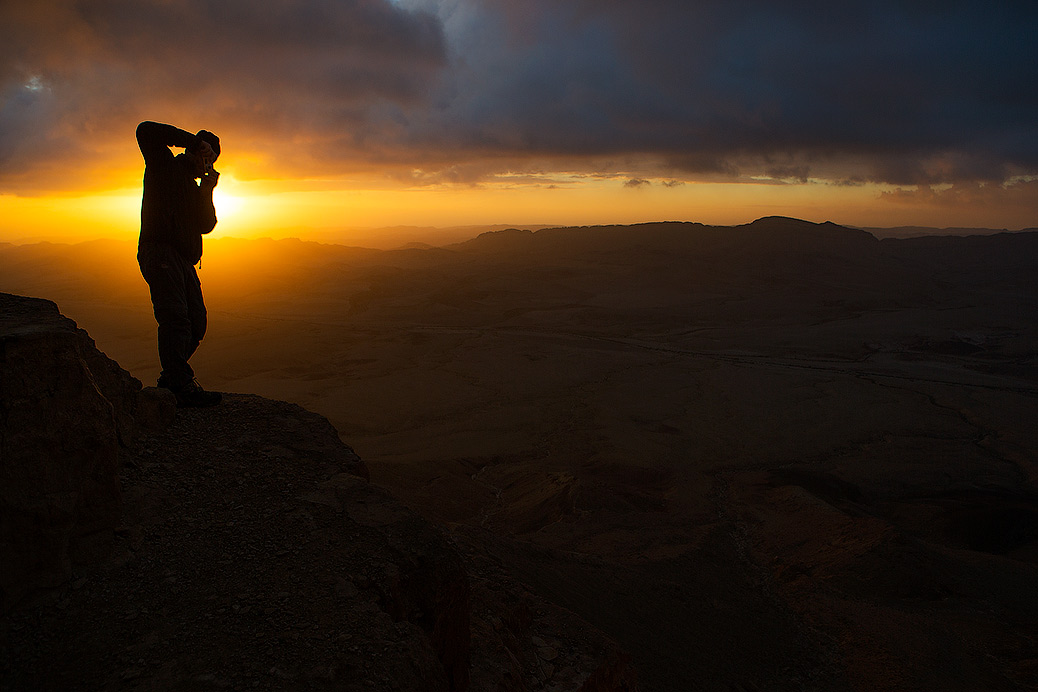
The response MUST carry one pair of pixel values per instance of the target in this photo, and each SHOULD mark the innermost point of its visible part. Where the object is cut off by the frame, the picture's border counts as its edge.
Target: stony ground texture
(253, 556)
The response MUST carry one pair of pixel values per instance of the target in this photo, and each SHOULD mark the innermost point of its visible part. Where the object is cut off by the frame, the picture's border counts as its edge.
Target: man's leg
(195, 308)
(163, 270)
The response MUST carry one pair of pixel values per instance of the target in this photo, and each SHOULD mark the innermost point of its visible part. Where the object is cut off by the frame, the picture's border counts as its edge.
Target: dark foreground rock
(66, 417)
(249, 553)
(245, 549)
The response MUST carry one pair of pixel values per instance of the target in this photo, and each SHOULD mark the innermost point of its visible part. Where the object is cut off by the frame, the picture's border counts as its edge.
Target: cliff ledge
(239, 547)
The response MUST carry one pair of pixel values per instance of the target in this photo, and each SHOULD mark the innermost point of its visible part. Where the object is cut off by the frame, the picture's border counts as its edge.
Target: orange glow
(294, 207)
(70, 219)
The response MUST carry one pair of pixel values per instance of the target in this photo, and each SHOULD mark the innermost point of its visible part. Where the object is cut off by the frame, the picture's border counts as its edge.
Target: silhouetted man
(176, 212)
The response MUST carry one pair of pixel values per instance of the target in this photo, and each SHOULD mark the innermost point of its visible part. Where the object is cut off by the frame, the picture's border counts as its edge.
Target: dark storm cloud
(915, 92)
(289, 75)
(945, 86)
(899, 92)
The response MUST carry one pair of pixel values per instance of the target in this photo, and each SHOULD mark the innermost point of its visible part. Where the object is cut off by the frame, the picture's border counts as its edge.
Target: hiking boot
(192, 395)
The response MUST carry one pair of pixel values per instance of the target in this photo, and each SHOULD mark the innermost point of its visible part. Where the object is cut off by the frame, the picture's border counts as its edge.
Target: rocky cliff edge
(241, 547)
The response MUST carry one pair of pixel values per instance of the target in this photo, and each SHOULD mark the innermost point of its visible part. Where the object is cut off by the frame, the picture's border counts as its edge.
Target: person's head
(205, 150)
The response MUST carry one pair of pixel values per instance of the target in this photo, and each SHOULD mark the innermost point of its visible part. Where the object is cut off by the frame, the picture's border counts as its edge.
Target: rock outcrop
(236, 547)
(66, 417)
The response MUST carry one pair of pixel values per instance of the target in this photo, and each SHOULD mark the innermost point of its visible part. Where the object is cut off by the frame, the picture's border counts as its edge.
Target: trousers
(176, 295)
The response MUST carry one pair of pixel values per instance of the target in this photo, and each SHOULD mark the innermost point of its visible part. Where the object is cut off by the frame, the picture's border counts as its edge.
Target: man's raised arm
(155, 139)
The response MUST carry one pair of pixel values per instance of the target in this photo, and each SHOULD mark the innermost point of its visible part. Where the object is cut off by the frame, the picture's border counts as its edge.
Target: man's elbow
(147, 134)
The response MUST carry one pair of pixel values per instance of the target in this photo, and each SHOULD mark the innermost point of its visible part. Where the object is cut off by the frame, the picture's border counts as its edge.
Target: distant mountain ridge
(765, 234)
(416, 237)
(920, 231)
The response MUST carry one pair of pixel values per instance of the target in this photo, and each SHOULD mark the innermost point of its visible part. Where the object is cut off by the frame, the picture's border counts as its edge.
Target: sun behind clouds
(228, 205)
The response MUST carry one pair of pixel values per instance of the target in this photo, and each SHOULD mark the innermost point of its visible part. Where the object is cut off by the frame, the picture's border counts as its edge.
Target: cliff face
(65, 419)
(147, 547)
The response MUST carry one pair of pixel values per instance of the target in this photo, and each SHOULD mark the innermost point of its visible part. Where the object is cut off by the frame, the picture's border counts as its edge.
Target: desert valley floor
(786, 454)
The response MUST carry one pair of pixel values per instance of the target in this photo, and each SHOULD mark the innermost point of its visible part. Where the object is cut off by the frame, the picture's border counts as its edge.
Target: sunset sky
(368, 113)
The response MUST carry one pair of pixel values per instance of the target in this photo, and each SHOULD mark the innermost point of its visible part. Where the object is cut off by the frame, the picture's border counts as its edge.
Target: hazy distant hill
(392, 237)
(765, 235)
(656, 257)
(917, 231)
(642, 271)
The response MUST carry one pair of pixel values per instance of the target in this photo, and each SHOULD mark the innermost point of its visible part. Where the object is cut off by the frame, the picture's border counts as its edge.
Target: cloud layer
(917, 93)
